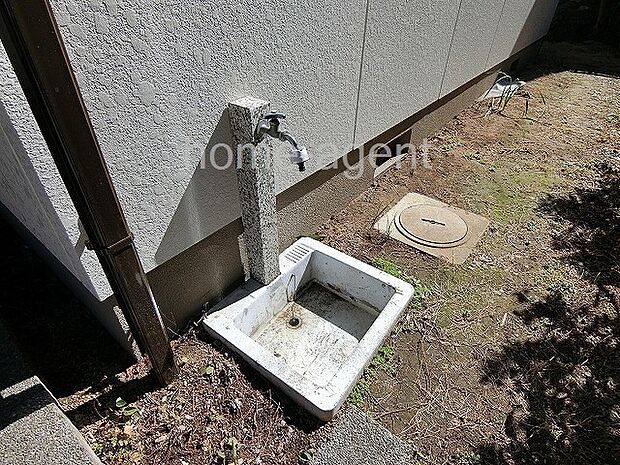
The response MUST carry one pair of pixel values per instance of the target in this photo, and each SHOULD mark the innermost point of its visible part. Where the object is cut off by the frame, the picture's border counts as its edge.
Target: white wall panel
(157, 76)
(405, 54)
(471, 44)
(522, 23)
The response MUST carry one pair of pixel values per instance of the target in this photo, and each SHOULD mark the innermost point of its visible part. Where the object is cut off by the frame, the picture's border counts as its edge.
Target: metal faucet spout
(270, 124)
(285, 136)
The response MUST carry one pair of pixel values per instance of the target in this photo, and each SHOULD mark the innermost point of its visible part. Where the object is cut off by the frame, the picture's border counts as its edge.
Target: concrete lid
(454, 252)
(432, 225)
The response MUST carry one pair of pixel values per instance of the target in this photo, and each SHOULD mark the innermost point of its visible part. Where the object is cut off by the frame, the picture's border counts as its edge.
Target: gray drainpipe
(33, 42)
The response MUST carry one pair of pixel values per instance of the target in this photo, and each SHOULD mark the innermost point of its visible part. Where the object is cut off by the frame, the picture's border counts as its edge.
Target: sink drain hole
(294, 322)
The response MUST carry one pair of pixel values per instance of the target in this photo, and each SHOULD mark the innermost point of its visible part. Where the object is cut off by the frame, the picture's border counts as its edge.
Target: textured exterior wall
(157, 76)
(522, 23)
(32, 194)
(405, 54)
(471, 43)
(31, 187)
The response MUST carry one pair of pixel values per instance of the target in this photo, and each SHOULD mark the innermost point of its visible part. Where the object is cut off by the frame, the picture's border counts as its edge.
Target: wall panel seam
(445, 68)
(499, 21)
(359, 80)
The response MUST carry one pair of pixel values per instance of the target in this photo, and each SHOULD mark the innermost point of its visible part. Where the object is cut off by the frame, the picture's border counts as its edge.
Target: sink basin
(314, 329)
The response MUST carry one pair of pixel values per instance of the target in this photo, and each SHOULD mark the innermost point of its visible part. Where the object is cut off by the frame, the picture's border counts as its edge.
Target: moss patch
(384, 363)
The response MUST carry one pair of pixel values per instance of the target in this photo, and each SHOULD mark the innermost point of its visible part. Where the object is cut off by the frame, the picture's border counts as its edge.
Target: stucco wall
(473, 37)
(522, 22)
(31, 187)
(405, 53)
(156, 78)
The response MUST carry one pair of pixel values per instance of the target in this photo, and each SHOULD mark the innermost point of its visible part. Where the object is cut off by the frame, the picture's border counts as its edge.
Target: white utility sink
(315, 328)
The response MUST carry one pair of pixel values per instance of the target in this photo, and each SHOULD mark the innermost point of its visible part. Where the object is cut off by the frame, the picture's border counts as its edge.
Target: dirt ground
(514, 357)
(511, 358)
(218, 412)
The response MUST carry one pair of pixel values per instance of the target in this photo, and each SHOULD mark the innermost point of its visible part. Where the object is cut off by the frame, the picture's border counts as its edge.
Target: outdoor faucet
(270, 124)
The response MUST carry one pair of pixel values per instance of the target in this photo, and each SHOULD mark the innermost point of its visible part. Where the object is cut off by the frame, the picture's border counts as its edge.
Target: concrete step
(355, 438)
(33, 429)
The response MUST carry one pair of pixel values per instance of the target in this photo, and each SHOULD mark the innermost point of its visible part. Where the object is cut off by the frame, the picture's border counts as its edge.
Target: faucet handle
(274, 115)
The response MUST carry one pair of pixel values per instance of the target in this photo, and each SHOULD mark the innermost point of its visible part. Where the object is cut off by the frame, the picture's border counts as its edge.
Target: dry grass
(479, 365)
(218, 412)
(512, 359)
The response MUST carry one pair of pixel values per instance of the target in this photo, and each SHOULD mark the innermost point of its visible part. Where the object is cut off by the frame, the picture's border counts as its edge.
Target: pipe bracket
(112, 249)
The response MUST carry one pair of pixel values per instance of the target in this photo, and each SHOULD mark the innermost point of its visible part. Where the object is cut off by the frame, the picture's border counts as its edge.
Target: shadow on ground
(564, 379)
(60, 338)
(591, 240)
(580, 41)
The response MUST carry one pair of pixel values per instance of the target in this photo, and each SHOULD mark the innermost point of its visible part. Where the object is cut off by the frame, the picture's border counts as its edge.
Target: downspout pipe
(34, 45)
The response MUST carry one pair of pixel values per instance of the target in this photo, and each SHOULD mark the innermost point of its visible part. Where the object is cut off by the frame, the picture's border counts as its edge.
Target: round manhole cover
(432, 225)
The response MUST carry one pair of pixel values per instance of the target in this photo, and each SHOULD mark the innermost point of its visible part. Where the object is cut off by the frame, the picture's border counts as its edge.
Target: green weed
(382, 363)
(387, 266)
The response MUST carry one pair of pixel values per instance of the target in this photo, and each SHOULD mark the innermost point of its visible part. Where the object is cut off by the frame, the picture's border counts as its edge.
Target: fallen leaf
(208, 370)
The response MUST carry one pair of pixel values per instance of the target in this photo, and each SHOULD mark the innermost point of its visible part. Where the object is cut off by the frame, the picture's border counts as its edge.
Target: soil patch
(218, 412)
(514, 357)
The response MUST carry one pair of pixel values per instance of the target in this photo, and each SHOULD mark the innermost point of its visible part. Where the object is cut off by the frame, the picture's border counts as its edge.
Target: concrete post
(257, 191)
